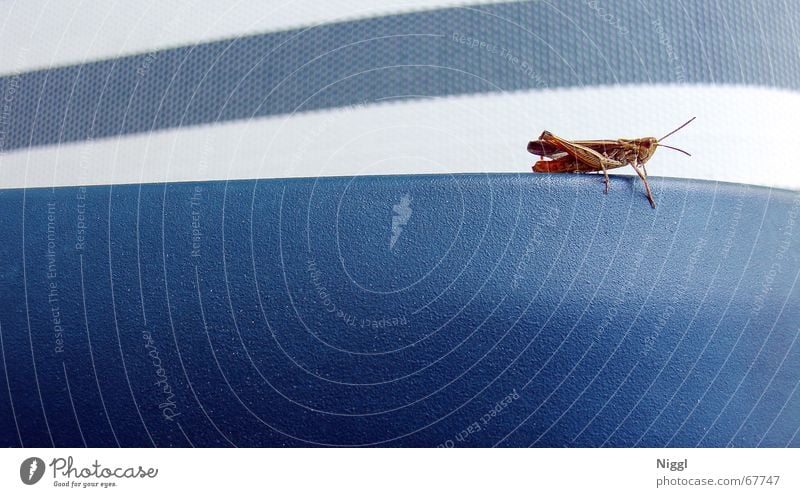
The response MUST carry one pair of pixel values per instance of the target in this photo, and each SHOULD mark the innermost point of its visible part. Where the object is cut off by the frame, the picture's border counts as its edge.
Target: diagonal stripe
(502, 47)
(51, 34)
(477, 133)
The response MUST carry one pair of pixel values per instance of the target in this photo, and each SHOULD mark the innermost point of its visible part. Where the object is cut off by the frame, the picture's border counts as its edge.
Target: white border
(404, 472)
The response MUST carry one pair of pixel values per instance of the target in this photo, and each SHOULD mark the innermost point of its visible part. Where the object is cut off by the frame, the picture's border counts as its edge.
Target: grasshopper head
(645, 147)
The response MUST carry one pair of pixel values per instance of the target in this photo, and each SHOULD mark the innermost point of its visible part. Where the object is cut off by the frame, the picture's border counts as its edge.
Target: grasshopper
(587, 156)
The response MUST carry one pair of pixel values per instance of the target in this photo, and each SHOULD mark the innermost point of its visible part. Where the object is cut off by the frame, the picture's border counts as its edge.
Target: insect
(587, 156)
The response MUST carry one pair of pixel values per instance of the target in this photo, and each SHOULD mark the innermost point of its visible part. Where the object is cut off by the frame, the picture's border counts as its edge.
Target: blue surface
(533, 308)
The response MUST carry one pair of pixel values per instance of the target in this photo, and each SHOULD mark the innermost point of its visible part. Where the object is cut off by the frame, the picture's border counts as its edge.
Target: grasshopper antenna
(676, 130)
(674, 148)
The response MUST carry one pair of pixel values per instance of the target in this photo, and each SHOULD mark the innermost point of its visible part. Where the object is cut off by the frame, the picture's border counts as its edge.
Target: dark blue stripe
(539, 285)
(536, 44)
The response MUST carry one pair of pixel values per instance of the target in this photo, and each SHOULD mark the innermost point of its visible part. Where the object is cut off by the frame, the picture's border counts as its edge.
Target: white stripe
(40, 34)
(741, 134)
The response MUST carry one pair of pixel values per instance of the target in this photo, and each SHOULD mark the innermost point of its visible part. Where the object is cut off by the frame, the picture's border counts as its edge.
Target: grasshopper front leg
(635, 165)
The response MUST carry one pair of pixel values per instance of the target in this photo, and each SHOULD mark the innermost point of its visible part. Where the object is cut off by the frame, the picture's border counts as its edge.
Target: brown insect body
(587, 156)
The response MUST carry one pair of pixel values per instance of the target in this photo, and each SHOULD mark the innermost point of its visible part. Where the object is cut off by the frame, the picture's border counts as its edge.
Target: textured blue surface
(526, 45)
(533, 308)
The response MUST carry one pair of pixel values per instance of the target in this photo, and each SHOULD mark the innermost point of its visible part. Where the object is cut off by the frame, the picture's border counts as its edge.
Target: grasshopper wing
(545, 149)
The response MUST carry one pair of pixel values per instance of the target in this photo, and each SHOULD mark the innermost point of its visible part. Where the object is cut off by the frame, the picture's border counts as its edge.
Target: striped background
(159, 234)
(481, 78)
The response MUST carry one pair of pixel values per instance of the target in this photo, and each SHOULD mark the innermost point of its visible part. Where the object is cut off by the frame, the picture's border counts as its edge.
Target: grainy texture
(415, 55)
(299, 321)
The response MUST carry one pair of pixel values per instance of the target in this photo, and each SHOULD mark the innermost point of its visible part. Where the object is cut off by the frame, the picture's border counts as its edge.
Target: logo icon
(402, 213)
(31, 470)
